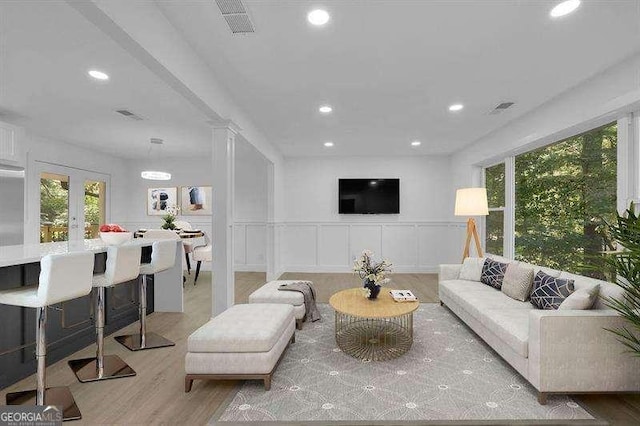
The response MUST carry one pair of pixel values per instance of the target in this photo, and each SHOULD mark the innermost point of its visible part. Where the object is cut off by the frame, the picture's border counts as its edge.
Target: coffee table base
(374, 339)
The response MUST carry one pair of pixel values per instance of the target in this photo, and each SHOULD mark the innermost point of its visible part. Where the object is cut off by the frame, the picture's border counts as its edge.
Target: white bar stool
(163, 257)
(123, 265)
(62, 277)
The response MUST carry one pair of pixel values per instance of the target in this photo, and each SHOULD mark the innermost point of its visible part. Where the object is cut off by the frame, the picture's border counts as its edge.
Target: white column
(270, 228)
(224, 141)
(509, 232)
(628, 161)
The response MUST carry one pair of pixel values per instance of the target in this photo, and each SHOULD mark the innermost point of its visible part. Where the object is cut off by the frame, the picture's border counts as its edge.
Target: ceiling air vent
(501, 108)
(129, 114)
(236, 16)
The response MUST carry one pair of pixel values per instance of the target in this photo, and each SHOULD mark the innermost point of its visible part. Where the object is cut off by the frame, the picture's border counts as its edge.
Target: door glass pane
(94, 207)
(54, 207)
(565, 193)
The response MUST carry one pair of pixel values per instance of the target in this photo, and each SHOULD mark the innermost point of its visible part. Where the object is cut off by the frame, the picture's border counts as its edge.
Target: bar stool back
(123, 265)
(62, 277)
(163, 257)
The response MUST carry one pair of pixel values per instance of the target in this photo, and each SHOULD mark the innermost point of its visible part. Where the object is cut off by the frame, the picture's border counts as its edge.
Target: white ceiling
(390, 68)
(47, 48)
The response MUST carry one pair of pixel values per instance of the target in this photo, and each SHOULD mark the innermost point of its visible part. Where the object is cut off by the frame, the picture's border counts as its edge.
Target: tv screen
(369, 196)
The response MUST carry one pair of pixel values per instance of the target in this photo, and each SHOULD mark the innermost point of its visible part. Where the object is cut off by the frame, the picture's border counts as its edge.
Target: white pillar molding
(628, 161)
(271, 264)
(223, 285)
(509, 232)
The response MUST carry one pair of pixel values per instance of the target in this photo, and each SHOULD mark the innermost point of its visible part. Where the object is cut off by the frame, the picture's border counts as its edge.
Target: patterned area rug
(448, 374)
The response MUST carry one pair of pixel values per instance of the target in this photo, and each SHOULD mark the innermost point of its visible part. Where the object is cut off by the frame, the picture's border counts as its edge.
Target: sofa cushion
(511, 326)
(476, 298)
(471, 269)
(549, 292)
(517, 282)
(581, 299)
(269, 293)
(493, 273)
(243, 328)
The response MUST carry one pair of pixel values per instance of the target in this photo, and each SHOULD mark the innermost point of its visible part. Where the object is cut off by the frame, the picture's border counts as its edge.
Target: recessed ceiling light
(325, 109)
(456, 107)
(328, 144)
(318, 17)
(98, 75)
(564, 8)
(416, 143)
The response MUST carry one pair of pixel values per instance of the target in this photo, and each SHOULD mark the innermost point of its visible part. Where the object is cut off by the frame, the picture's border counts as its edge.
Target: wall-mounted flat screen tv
(369, 196)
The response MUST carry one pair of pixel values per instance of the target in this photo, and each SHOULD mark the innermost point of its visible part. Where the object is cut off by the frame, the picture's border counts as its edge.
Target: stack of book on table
(403, 296)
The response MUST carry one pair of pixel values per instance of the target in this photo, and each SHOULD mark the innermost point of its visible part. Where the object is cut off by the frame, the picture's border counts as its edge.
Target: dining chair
(202, 254)
(188, 245)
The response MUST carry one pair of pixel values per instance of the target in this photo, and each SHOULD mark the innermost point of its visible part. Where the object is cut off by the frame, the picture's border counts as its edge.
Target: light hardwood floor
(156, 395)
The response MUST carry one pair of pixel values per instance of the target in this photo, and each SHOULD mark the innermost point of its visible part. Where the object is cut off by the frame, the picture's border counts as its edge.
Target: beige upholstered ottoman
(244, 342)
(269, 293)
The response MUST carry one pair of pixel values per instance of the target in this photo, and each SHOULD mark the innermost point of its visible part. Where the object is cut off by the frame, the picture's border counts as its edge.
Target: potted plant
(169, 221)
(626, 264)
(373, 274)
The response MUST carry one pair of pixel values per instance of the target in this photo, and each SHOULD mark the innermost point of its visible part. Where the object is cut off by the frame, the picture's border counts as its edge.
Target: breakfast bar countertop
(33, 253)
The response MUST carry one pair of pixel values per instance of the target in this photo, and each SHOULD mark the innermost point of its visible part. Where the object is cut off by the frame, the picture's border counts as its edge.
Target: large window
(494, 229)
(564, 194)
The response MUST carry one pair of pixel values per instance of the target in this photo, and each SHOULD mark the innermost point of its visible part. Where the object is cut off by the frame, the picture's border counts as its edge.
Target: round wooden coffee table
(376, 330)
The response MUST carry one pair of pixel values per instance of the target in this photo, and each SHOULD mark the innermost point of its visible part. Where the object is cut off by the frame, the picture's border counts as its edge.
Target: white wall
(599, 100)
(314, 237)
(250, 210)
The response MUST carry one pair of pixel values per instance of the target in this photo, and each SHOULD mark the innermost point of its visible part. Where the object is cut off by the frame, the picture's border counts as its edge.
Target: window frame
(628, 169)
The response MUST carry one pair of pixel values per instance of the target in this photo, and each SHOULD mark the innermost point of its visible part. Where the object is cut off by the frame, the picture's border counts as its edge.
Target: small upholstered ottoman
(244, 342)
(269, 293)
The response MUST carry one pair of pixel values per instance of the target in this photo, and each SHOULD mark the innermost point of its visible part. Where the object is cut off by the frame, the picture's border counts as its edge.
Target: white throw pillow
(581, 299)
(471, 269)
(517, 282)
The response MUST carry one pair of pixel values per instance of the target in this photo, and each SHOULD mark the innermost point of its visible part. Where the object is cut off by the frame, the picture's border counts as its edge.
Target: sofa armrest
(571, 351)
(449, 272)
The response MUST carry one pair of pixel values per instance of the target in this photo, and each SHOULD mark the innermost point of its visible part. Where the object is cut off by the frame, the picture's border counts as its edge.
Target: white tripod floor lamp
(471, 202)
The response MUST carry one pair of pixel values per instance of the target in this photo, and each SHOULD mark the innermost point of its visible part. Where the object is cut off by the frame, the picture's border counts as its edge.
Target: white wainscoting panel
(240, 244)
(332, 247)
(250, 246)
(365, 237)
(299, 245)
(400, 245)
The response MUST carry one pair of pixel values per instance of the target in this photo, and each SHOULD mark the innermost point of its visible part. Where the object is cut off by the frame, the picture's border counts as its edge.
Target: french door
(73, 203)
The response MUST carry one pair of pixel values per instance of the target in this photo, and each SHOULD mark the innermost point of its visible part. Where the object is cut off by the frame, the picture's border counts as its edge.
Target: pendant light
(155, 174)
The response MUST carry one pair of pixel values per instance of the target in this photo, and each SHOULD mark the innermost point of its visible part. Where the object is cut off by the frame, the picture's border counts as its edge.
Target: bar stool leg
(41, 356)
(102, 367)
(58, 396)
(144, 340)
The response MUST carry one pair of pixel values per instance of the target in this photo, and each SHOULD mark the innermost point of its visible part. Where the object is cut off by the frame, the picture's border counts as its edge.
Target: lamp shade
(471, 202)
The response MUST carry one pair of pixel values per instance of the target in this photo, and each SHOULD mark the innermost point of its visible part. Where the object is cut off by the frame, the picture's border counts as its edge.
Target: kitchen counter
(70, 326)
(31, 253)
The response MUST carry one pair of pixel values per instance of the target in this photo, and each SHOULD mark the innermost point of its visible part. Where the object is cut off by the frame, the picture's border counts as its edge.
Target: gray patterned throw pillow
(549, 292)
(493, 273)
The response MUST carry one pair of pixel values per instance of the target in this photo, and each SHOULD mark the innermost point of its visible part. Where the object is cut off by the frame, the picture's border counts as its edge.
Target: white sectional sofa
(557, 351)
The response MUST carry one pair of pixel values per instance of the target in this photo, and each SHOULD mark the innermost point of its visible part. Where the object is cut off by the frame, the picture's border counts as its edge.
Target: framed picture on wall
(196, 201)
(160, 199)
